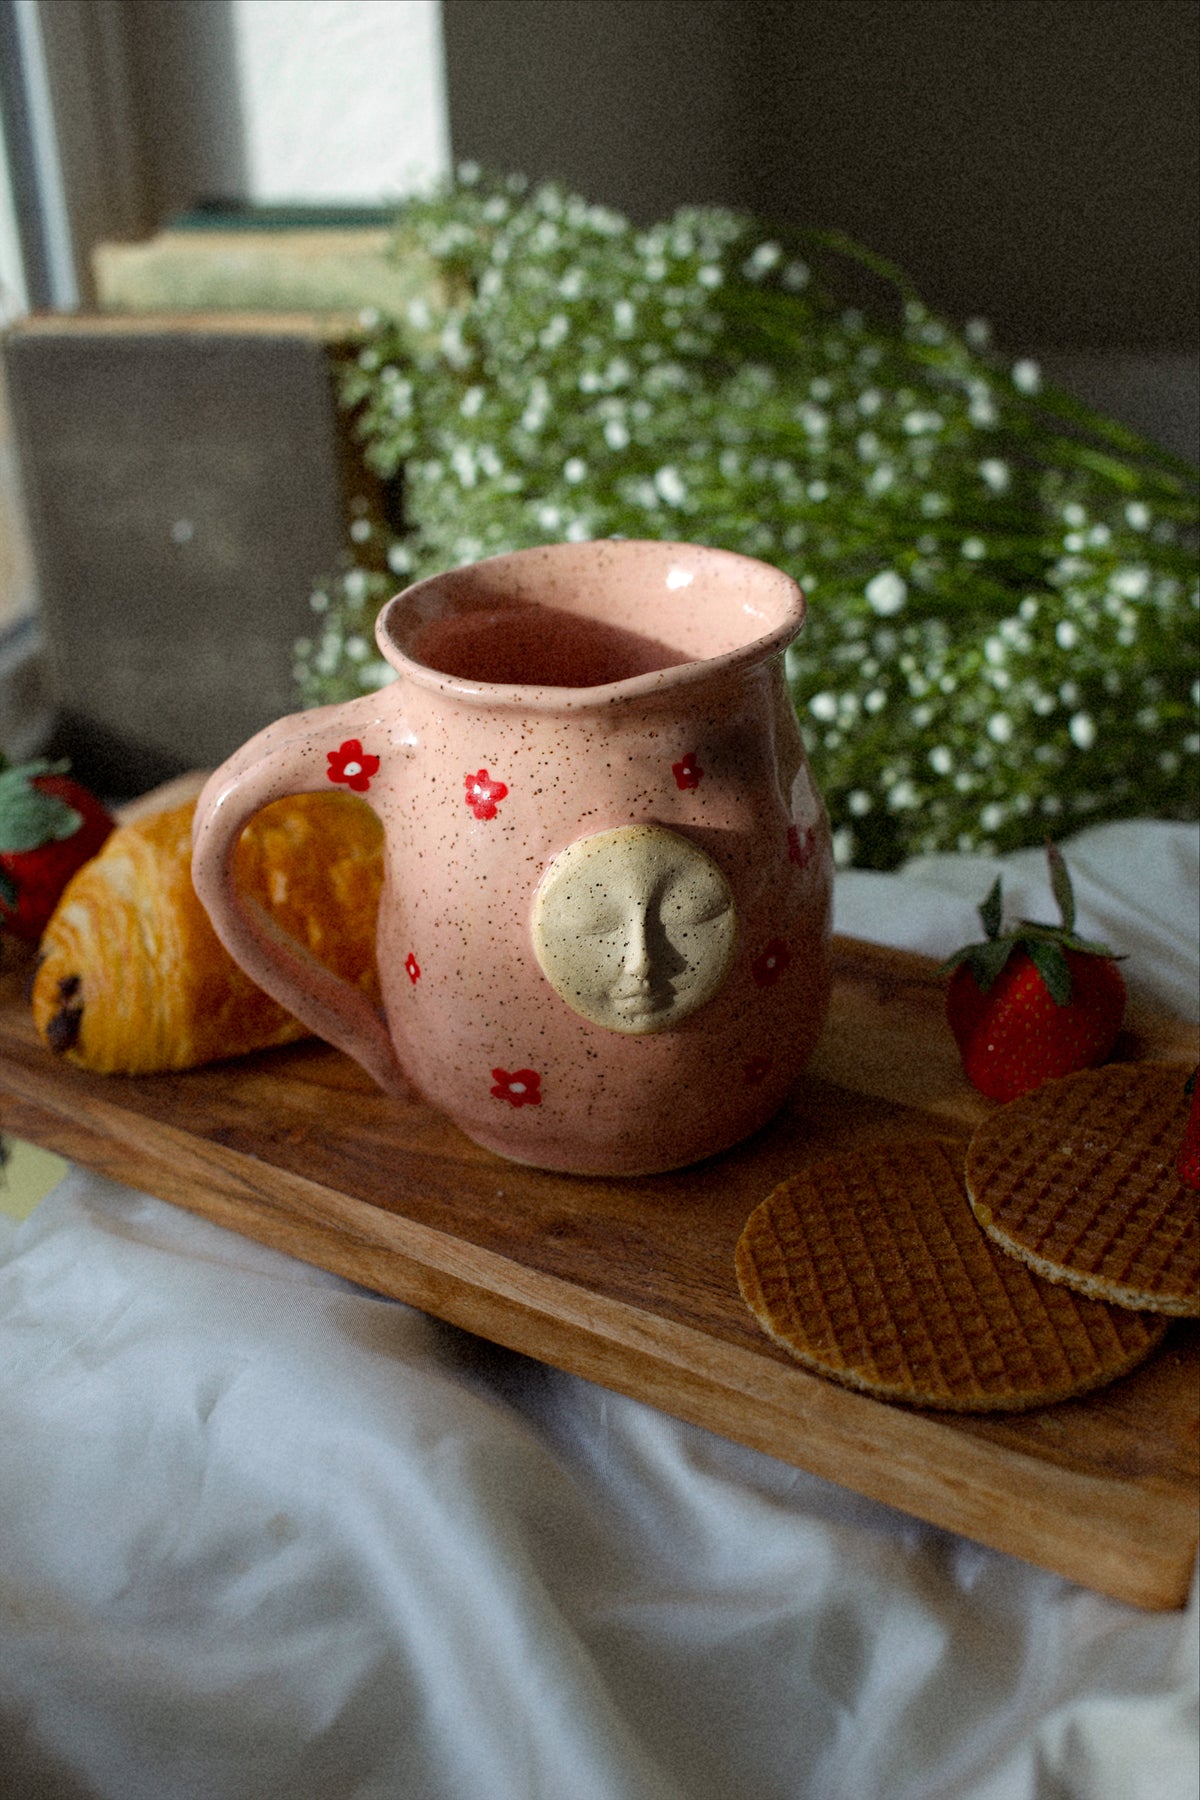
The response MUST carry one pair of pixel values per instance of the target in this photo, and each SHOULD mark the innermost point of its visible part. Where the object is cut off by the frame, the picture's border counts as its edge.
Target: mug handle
(289, 757)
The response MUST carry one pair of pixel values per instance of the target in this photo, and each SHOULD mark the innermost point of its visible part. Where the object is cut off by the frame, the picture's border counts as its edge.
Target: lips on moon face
(634, 928)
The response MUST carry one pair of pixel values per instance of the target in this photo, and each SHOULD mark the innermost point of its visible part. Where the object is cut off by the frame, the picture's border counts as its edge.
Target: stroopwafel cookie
(870, 1268)
(1079, 1179)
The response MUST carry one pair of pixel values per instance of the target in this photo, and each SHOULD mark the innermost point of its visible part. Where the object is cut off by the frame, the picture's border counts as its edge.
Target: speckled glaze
(545, 697)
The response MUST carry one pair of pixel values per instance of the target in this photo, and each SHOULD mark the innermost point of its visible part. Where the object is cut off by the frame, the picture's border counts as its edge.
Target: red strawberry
(1188, 1163)
(1035, 1002)
(49, 826)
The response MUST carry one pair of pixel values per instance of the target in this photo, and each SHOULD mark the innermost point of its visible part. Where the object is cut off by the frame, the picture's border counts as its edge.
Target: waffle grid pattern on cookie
(871, 1269)
(1078, 1179)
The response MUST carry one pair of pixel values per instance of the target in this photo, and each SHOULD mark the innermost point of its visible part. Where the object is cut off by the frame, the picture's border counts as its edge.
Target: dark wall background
(1031, 160)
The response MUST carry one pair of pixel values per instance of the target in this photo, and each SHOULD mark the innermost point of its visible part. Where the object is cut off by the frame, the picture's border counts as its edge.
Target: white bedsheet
(265, 1536)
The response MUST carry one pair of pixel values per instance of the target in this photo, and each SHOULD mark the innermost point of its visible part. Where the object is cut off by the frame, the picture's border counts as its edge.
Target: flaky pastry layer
(134, 980)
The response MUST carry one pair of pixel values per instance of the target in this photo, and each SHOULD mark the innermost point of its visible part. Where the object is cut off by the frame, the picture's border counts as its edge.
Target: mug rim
(543, 697)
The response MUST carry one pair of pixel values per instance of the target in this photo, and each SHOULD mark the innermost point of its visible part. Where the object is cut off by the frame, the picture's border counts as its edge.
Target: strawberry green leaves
(1045, 945)
(1035, 1001)
(30, 817)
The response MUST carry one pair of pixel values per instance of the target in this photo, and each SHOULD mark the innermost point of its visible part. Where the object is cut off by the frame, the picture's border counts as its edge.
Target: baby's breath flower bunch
(1002, 630)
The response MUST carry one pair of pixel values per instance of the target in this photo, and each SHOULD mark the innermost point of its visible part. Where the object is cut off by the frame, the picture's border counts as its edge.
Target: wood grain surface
(631, 1283)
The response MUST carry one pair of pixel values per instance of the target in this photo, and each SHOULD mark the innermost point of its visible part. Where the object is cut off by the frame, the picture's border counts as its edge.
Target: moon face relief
(634, 928)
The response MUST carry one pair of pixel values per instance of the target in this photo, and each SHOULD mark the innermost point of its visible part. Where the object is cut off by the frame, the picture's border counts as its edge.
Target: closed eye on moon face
(688, 909)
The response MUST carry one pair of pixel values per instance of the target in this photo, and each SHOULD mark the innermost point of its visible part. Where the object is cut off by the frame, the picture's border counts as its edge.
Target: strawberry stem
(1060, 885)
(991, 912)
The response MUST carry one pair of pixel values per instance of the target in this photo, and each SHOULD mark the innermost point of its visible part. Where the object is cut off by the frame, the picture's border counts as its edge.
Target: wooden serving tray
(631, 1282)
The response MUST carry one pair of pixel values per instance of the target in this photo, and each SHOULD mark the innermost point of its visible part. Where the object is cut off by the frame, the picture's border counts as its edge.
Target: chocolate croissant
(133, 979)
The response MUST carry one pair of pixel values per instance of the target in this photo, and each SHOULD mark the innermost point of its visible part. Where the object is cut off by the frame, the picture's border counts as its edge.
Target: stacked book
(190, 476)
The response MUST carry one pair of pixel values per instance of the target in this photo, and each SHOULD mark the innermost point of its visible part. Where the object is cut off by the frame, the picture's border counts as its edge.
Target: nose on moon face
(634, 928)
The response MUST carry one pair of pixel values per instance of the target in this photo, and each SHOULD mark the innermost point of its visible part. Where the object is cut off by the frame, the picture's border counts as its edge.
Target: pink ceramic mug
(604, 936)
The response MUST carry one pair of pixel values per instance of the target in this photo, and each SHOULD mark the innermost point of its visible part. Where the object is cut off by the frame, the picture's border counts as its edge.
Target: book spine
(320, 271)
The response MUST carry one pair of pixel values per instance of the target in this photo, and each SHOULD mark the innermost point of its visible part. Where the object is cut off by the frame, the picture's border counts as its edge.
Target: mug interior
(588, 615)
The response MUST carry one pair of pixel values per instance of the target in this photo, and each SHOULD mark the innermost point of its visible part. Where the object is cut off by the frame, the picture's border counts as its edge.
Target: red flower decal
(687, 771)
(769, 965)
(521, 1088)
(412, 968)
(483, 794)
(801, 844)
(352, 766)
(756, 1070)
